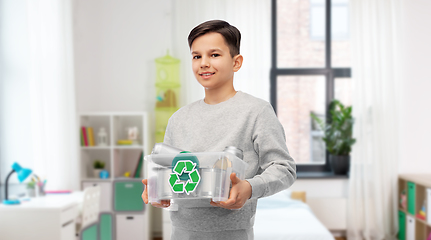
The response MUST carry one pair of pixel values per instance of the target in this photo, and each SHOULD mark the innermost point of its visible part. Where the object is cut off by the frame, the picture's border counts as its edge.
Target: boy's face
(212, 63)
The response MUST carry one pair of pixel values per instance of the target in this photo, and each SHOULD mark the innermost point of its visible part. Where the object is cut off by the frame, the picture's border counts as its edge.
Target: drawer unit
(51, 217)
(130, 226)
(68, 231)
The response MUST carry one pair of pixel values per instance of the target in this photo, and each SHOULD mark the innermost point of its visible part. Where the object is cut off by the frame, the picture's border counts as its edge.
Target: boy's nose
(205, 63)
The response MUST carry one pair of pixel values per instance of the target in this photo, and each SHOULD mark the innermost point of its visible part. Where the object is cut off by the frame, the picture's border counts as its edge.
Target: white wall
(415, 127)
(116, 43)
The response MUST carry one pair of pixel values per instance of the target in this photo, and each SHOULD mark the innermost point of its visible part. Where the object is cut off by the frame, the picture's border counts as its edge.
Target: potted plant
(98, 167)
(338, 135)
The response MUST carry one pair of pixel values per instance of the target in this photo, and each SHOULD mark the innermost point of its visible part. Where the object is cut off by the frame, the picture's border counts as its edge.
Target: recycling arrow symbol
(184, 167)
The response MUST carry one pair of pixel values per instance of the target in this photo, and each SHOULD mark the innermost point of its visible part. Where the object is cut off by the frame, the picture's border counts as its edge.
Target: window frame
(328, 71)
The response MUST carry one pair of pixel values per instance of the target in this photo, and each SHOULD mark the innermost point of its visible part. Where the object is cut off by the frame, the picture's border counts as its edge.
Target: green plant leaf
(338, 128)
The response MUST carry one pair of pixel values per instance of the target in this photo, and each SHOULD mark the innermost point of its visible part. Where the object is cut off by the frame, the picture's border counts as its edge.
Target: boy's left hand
(239, 194)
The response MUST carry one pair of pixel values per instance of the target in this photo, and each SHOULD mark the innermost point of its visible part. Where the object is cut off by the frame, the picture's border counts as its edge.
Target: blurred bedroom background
(64, 63)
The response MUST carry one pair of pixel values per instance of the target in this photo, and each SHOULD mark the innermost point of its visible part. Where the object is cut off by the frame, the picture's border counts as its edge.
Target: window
(310, 66)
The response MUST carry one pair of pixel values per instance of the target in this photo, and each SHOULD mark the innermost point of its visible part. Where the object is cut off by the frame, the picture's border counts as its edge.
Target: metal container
(235, 151)
(238, 153)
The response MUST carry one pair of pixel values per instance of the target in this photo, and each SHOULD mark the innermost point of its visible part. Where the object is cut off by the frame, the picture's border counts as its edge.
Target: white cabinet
(119, 159)
(130, 226)
(50, 217)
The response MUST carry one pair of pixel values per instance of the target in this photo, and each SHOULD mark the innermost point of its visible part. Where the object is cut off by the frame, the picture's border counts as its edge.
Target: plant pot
(340, 164)
(96, 172)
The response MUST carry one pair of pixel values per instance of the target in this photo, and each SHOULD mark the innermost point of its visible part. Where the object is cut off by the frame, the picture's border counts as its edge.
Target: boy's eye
(215, 55)
(196, 57)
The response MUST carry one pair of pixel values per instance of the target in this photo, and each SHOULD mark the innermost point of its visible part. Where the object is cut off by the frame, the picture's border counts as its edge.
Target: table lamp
(23, 173)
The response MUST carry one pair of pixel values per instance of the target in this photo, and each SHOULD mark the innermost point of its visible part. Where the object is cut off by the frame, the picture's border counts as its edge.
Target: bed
(286, 216)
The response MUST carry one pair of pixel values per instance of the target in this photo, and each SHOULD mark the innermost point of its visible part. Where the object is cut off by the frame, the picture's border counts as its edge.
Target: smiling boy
(214, 66)
(223, 118)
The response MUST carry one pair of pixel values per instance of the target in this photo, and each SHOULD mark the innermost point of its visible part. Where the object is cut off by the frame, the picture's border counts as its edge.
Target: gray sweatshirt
(248, 123)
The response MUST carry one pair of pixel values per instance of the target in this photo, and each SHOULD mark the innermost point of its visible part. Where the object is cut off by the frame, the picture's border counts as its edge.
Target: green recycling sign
(184, 167)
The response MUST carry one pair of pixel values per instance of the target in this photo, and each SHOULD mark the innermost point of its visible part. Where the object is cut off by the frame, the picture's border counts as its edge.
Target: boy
(223, 118)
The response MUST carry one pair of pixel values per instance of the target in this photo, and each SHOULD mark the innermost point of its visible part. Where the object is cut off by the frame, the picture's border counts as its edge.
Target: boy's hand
(163, 204)
(239, 194)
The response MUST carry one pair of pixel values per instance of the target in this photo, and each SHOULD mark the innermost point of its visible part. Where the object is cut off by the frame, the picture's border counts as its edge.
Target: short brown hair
(231, 34)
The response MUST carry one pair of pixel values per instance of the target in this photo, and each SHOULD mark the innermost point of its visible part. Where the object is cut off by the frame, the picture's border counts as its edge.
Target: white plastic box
(192, 175)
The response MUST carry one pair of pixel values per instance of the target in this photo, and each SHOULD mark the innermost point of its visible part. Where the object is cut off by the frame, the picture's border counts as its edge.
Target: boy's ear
(237, 62)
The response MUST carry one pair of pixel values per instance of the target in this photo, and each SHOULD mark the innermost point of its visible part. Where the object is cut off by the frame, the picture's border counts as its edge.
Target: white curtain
(376, 46)
(54, 138)
(251, 17)
(14, 100)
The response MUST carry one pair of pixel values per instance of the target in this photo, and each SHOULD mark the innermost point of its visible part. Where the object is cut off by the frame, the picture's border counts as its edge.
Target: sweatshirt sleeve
(276, 167)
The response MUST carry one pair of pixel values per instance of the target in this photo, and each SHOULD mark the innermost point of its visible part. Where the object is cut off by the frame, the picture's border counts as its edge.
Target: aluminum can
(162, 148)
(235, 151)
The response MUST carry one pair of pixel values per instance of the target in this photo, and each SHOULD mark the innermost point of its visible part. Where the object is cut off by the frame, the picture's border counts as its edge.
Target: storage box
(127, 195)
(192, 175)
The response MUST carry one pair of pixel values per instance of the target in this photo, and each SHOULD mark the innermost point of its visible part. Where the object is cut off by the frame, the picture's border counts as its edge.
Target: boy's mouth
(206, 74)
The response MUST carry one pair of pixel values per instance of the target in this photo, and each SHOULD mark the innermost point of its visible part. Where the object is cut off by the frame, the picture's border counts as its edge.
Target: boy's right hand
(162, 204)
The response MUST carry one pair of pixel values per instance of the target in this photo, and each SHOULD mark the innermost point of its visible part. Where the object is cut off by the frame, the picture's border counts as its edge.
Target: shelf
(118, 159)
(96, 180)
(94, 147)
(422, 221)
(421, 179)
(417, 219)
(415, 188)
(129, 147)
(114, 147)
(316, 175)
